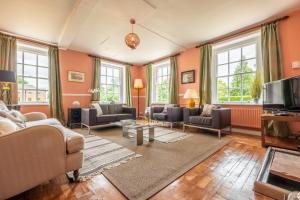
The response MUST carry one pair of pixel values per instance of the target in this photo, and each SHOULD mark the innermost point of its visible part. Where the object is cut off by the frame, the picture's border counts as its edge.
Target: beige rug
(160, 164)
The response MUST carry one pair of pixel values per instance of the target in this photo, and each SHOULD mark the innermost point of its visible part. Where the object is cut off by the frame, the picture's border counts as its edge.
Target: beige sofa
(38, 153)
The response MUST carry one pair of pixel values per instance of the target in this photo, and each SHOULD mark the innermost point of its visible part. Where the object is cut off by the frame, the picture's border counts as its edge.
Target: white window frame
(155, 68)
(238, 42)
(35, 49)
(121, 75)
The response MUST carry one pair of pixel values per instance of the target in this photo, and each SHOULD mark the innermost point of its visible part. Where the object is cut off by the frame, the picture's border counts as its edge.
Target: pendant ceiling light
(132, 40)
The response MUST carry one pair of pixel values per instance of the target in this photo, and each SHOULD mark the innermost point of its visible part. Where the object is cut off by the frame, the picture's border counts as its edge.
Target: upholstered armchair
(220, 119)
(172, 114)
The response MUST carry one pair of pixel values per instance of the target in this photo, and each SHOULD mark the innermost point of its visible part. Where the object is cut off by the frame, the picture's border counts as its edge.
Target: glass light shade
(132, 40)
(138, 83)
(191, 94)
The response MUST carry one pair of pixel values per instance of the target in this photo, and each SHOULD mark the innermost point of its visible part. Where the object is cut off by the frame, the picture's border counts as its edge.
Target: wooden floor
(228, 174)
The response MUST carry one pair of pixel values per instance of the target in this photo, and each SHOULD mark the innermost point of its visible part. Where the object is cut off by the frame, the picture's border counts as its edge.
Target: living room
(148, 99)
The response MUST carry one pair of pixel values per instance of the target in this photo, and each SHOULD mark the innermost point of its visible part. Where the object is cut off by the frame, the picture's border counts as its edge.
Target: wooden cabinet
(285, 143)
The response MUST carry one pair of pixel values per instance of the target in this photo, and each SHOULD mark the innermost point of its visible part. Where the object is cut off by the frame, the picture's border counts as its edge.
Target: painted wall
(138, 72)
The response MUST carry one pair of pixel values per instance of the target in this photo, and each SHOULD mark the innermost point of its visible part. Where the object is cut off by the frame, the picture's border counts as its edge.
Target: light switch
(296, 64)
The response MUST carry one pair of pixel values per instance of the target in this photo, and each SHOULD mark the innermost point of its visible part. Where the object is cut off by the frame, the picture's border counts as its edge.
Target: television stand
(286, 143)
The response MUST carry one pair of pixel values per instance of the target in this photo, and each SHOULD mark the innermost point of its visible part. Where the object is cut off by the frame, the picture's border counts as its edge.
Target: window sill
(34, 104)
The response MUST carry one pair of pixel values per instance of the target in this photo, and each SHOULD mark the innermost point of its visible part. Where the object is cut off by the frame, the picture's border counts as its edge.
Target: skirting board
(246, 131)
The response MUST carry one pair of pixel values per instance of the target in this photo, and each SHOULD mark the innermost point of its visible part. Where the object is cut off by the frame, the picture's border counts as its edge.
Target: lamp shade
(7, 76)
(138, 83)
(191, 94)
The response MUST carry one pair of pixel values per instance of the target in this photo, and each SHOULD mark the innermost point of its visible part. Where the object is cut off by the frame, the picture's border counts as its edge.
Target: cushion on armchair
(207, 110)
(167, 106)
(98, 108)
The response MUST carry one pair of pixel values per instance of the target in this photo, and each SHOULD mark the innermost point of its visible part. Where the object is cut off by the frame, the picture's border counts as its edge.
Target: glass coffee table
(138, 131)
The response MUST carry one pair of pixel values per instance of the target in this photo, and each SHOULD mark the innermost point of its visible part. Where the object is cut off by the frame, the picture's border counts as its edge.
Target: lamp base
(191, 103)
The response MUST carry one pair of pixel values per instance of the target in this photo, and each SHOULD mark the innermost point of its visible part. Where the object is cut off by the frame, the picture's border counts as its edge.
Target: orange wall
(138, 72)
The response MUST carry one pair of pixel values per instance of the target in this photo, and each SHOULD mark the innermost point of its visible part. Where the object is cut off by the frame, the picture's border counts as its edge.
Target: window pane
(110, 80)
(116, 81)
(235, 68)
(30, 95)
(235, 55)
(248, 80)
(109, 72)
(19, 69)
(42, 96)
(117, 89)
(159, 71)
(20, 81)
(116, 72)
(223, 70)
(249, 65)
(222, 58)
(222, 89)
(29, 58)
(235, 95)
(103, 79)
(29, 70)
(43, 61)
(165, 71)
(235, 81)
(20, 96)
(103, 70)
(19, 56)
(43, 84)
(110, 89)
(42, 72)
(249, 51)
(29, 83)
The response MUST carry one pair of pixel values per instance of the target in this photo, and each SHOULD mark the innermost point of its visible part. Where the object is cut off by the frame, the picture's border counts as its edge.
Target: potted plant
(256, 87)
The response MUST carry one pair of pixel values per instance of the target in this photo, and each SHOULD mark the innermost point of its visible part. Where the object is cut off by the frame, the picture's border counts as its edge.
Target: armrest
(221, 118)
(155, 109)
(89, 116)
(35, 116)
(187, 112)
(36, 154)
(129, 110)
(175, 114)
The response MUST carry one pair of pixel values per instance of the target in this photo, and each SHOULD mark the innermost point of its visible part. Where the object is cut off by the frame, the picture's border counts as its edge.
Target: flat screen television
(282, 95)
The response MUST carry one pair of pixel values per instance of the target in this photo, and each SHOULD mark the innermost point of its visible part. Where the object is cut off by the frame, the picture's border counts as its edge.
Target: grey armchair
(219, 120)
(172, 116)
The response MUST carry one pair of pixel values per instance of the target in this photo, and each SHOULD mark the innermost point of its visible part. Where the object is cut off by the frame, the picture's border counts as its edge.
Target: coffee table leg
(139, 136)
(151, 134)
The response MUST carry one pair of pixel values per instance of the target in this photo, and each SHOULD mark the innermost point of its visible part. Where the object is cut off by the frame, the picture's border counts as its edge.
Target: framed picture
(76, 76)
(188, 77)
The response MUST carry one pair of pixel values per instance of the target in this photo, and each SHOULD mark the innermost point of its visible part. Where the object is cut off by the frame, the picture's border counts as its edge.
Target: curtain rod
(31, 40)
(111, 60)
(160, 59)
(241, 31)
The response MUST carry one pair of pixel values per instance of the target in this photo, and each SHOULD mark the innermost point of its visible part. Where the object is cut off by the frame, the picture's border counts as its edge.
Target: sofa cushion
(165, 110)
(107, 118)
(160, 116)
(98, 108)
(207, 110)
(104, 108)
(49, 121)
(123, 116)
(199, 120)
(74, 141)
(115, 108)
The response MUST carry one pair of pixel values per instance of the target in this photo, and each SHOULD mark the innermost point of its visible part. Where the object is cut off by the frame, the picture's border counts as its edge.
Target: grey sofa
(173, 114)
(220, 119)
(111, 113)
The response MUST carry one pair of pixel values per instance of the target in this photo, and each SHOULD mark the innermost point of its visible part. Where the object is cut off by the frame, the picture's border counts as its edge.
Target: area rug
(160, 163)
(164, 135)
(100, 154)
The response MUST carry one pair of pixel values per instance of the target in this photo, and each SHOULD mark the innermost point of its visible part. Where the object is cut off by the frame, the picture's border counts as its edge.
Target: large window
(32, 74)
(111, 83)
(161, 78)
(235, 69)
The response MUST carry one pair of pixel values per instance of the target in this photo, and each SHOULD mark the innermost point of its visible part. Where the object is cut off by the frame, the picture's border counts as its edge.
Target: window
(161, 78)
(111, 82)
(235, 68)
(32, 74)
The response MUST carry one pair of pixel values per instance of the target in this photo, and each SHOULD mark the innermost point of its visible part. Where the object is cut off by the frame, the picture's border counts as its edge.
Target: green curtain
(96, 79)
(148, 84)
(205, 74)
(55, 93)
(270, 47)
(173, 84)
(8, 58)
(128, 85)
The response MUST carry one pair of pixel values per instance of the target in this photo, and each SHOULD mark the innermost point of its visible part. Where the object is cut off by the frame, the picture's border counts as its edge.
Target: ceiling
(165, 27)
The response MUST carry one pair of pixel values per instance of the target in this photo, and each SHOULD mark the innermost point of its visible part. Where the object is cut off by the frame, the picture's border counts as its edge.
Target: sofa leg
(76, 175)
(219, 134)
(171, 125)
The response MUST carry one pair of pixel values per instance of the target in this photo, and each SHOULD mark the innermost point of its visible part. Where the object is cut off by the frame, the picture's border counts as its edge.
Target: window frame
(38, 50)
(121, 67)
(237, 42)
(155, 68)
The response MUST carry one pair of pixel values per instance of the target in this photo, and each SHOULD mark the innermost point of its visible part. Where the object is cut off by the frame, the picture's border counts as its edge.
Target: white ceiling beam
(74, 21)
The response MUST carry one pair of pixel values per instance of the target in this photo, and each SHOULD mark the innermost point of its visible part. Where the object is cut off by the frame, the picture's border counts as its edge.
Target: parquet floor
(228, 174)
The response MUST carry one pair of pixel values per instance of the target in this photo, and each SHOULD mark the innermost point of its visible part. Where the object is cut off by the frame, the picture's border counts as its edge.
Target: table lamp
(191, 94)
(138, 84)
(6, 77)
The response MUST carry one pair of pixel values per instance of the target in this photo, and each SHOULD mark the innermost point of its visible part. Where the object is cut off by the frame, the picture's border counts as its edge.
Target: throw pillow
(3, 106)
(7, 126)
(98, 108)
(18, 115)
(10, 116)
(207, 110)
(168, 106)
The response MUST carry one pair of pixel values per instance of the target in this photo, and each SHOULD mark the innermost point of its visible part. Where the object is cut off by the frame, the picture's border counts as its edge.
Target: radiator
(246, 116)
